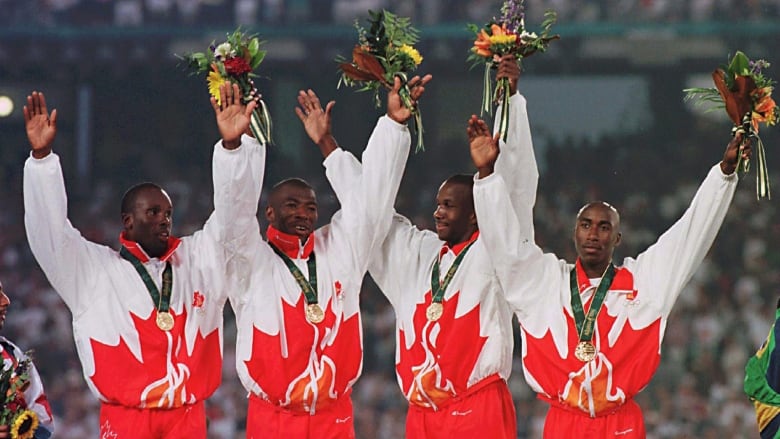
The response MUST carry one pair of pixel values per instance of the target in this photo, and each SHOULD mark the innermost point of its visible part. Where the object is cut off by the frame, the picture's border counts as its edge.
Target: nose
(4, 299)
(437, 214)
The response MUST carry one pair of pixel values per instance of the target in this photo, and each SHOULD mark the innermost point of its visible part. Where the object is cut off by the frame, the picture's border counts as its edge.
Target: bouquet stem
(762, 173)
(260, 124)
(487, 91)
(503, 89)
(418, 126)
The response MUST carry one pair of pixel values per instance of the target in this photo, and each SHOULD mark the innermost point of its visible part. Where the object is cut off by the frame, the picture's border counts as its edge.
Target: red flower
(237, 66)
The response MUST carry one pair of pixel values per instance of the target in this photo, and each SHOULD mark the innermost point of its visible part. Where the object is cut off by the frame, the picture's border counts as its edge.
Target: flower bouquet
(746, 94)
(385, 50)
(14, 380)
(506, 36)
(234, 60)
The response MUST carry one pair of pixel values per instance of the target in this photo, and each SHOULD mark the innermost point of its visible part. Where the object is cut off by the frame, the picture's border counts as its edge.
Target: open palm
(41, 128)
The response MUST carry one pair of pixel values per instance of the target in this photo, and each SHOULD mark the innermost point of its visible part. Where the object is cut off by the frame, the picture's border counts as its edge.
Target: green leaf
(740, 64)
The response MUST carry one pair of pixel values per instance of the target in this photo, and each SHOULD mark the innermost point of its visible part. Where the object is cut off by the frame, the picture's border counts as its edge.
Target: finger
(26, 112)
(214, 104)
(413, 82)
(299, 113)
(302, 99)
(329, 107)
(53, 118)
(250, 107)
(496, 137)
(42, 101)
(236, 94)
(426, 79)
(222, 96)
(315, 101)
(396, 84)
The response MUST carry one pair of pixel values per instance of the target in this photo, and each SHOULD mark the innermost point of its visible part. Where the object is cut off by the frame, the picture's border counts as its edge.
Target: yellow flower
(24, 425)
(503, 39)
(412, 53)
(215, 80)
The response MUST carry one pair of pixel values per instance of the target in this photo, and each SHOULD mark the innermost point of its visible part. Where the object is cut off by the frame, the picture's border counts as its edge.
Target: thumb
(250, 108)
(329, 107)
(53, 118)
(396, 84)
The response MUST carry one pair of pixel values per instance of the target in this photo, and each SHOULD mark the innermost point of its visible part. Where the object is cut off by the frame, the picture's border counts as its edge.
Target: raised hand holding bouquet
(14, 380)
(746, 94)
(234, 60)
(506, 36)
(385, 50)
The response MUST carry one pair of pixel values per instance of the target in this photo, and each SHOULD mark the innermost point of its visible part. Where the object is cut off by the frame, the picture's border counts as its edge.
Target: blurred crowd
(719, 320)
(212, 13)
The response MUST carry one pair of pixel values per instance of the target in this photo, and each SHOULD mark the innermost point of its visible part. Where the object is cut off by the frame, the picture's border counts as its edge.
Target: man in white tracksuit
(592, 331)
(454, 336)
(299, 347)
(147, 320)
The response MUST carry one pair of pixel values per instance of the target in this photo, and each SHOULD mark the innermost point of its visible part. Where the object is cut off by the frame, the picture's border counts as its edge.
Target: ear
(270, 215)
(473, 219)
(617, 239)
(127, 221)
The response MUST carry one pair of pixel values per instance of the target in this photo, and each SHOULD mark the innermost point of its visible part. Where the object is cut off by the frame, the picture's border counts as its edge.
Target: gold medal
(434, 311)
(164, 320)
(314, 313)
(585, 351)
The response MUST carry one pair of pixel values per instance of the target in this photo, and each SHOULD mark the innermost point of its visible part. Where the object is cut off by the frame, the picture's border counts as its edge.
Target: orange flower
(482, 44)
(764, 110)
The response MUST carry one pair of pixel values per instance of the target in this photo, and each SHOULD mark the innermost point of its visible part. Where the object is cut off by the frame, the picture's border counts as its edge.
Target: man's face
(4, 303)
(596, 234)
(292, 209)
(454, 215)
(149, 222)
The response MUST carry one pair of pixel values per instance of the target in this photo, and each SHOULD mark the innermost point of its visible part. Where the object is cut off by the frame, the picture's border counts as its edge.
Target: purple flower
(757, 65)
(512, 15)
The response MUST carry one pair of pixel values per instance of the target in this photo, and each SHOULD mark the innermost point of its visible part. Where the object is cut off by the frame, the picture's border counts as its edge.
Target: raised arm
(367, 202)
(59, 248)
(519, 262)
(668, 264)
(238, 169)
(517, 162)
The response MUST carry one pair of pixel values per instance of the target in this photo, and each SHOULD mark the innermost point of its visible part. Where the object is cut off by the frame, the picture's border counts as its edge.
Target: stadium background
(607, 118)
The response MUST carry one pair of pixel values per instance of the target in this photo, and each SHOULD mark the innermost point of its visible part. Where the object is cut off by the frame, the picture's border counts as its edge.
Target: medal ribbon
(163, 300)
(438, 287)
(586, 324)
(309, 286)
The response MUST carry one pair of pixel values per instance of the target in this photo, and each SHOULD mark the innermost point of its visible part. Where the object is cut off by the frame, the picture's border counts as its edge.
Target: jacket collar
(136, 250)
(290, 244)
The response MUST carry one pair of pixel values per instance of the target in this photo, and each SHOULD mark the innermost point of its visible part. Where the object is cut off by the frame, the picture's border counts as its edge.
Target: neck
(595, 270)
(463, 238)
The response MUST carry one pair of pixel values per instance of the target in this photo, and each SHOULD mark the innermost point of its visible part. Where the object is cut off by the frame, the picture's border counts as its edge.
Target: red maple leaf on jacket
(617, 374)
(307, 366)
(165, 375)
(443, 355)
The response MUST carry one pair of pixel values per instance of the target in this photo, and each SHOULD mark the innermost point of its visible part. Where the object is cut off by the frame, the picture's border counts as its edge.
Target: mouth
(302, 229)
(164, 235)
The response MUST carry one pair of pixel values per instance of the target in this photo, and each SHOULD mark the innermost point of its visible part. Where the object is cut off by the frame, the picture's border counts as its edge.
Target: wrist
(485, 171)
(327, 145)
(231, 144)
(41, 153)
(397, 119)
(727, 168)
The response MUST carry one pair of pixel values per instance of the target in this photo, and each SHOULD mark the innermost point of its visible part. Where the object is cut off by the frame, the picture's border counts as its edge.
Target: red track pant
(267, 421)
(120, 422)
(485, 411)
(624, 423)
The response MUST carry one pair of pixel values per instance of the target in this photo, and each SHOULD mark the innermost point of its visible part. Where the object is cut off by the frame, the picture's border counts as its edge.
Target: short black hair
(464, 179)
(294, 181)
(128, 199)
